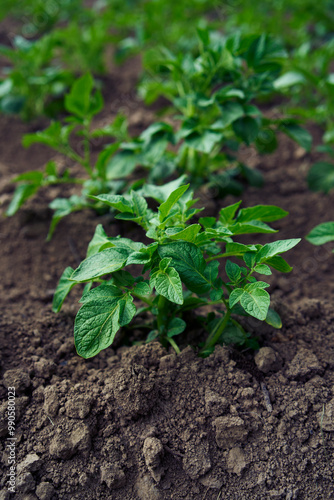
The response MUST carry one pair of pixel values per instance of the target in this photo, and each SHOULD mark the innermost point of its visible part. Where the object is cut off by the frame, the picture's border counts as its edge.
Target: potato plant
(214, 94)
(83, 104)
(176, 272)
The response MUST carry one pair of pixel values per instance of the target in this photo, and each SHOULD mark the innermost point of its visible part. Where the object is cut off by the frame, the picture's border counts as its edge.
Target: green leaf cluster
(83, 103)
(178, 271)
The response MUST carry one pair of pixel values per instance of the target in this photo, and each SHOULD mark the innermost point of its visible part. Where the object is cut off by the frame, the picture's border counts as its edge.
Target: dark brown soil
(140, 423)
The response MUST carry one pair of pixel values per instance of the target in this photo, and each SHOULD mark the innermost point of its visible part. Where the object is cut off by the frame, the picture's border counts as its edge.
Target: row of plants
(60, 40)
(213, 110)
(214, 93)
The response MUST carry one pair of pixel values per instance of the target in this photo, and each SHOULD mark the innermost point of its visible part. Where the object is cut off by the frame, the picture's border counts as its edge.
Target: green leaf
(139, 204)
(189, 262)
(207, 222)
(321, 177)
(263, 269)
(34, 177)
(142, 257)
(161, 193)
(105, 154)
(101, 292)
(256, 284)
(114, 200)
(127, 244)
(323, 233)
(298, 134)
(288, 79)
(275, 248)
(211, 271)
(187, 234)
(226, 214)
(63, 288)
(235, 296)
(99, 320)
(237, 249)
(77, 101)
(230, 111)
(63, 207)
(51, 136)
(121, 165)
(264, 213)
(167, 283)
(256, 303)
(249, 259)
(99, 239)
(204, 142)
(273, 319)
(251, 227)
(279, 263)
(175, 327)
(246, 128)
(142, 288)
(232, 334)
(233, 271)
(102, 263)
(173, 198)
(21, 194)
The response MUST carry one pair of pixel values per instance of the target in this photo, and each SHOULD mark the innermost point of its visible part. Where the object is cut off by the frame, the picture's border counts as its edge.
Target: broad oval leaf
(102, 263)
(235, 296)
(233, 271)
(256, 303)
(275, 248)
(323, 233)
(187, 234)
(298, 134)
(98, 321)
(189, 262)
(273, 319)
(264, 213)
(175, 327)
(168, 284)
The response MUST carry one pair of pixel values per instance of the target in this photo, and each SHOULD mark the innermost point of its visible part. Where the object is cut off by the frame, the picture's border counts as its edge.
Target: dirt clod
(267, 360)
(45, 491)
(17, 378)
(153, 452)
(113, 476)
(66, 443)
(229, 431)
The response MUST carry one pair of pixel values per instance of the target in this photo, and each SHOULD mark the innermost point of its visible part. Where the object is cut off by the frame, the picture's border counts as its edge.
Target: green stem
(216, 333)
(174, 344)
(161, 318)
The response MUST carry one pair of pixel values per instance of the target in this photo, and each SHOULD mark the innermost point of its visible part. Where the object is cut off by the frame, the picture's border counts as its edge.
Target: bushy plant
(214, 95)
(176, 272)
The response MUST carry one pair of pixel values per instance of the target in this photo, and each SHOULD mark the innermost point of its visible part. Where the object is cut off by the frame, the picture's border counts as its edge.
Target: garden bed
(140, 422)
